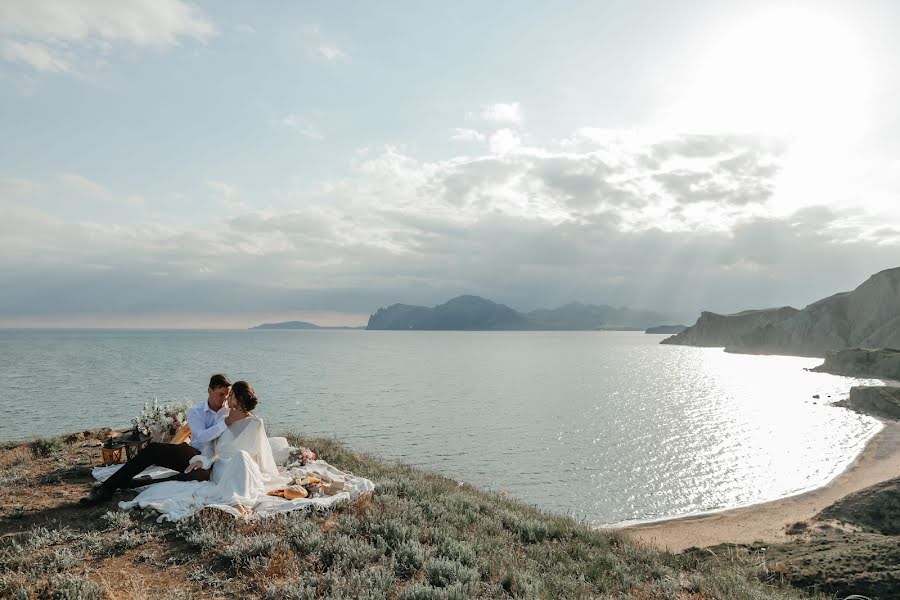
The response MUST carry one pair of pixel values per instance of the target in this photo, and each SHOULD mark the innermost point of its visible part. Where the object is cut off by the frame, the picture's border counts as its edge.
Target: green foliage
(43, 447)
(409, 557)
(71, 587)
(442, 572)
(244, 549)
(117, 519)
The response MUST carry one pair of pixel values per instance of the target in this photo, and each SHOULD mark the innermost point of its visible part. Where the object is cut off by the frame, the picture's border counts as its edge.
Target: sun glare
(785, 71)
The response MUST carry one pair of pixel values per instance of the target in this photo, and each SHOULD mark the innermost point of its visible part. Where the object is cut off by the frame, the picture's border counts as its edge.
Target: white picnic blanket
(173, 498)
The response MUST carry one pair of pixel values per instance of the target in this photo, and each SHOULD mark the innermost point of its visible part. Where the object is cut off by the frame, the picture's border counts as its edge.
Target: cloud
(504, 141)
(15, 186)
(87, 188)
(467, 135)
(330, 51)
(44, 34)
(225, 194)
(502, 112)
(613, 219)
(244, 28)
(301, 126)
(36, 55)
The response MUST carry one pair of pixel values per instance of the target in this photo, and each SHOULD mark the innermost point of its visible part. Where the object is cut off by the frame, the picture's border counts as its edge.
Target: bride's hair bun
(245, 396)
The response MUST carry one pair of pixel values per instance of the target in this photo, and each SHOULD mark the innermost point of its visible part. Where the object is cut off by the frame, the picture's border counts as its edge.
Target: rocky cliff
(883, 363)
(715, 330)
(867, 317)
(877, 400)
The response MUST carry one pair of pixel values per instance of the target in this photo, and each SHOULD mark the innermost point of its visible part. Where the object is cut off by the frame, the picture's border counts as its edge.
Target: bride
(243, 469)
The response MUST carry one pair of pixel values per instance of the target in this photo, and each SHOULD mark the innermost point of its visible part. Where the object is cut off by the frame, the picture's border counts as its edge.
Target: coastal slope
(419, 535)
(867, 317)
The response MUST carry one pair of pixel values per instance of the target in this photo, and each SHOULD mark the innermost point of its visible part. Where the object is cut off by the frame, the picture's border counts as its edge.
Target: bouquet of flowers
(300, 457)
(161, 422)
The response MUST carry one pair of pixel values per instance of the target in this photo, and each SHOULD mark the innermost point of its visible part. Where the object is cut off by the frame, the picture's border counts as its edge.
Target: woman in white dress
(243, 469)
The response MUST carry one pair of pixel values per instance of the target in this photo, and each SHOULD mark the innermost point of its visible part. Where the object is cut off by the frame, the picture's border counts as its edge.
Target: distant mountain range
(473, 313)
(298, 325)
(867, 317)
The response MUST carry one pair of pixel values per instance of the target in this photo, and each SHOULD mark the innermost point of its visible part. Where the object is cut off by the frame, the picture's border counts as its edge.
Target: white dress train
(243, 472)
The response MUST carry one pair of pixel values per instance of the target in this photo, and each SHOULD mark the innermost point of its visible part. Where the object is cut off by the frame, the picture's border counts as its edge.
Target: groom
(207, 422)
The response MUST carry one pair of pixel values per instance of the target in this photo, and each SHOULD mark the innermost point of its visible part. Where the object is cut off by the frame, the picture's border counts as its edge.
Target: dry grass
(418, 536)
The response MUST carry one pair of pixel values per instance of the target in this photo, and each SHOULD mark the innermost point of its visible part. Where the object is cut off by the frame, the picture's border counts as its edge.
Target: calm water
(605, 426)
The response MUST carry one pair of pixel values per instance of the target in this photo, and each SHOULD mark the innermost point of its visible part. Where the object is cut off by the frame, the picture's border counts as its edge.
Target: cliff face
(869, 316)
(715, 330)
(877, 400)
(858, 362)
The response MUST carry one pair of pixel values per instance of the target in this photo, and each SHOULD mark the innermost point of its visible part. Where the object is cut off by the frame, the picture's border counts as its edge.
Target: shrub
(42, 447)
(304, 535)
(461, 551)
(376, 583)
(41, 537)
(117, 519)
(62, 559)
(409, 558)
(349, 552)
(244, 549)
(91, 542)
(292, 590)
(389, 532)
(442, 572)
(70, 587)
(123, 542)
(418, 591)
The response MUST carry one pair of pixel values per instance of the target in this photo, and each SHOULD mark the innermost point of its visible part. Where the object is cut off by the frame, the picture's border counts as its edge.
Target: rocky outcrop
(715, 330)
(667, 329)
(883, 363)
(876, 400)
(867, 317)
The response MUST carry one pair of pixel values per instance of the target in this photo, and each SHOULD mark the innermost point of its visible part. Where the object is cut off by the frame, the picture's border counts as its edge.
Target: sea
(606, 427)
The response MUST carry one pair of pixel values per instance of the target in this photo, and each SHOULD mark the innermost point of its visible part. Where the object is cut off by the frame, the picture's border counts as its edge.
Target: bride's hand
(192, 466)
(234, 416)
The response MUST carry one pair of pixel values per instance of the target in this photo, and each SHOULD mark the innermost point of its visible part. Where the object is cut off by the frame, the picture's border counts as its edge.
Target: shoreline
(766, 522)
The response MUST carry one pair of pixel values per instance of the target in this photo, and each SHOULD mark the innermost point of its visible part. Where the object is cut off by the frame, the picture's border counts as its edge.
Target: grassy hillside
(418, 536)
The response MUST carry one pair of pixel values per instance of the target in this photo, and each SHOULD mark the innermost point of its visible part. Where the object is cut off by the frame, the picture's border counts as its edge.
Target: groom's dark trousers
(171, 456)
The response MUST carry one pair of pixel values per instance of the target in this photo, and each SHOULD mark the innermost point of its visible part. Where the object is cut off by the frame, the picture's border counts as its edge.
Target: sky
(221, 164)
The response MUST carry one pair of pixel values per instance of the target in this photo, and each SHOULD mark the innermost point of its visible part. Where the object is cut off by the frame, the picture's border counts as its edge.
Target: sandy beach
(879, 461)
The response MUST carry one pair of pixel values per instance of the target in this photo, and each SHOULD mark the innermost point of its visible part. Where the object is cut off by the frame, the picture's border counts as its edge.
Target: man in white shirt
(207, 422)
